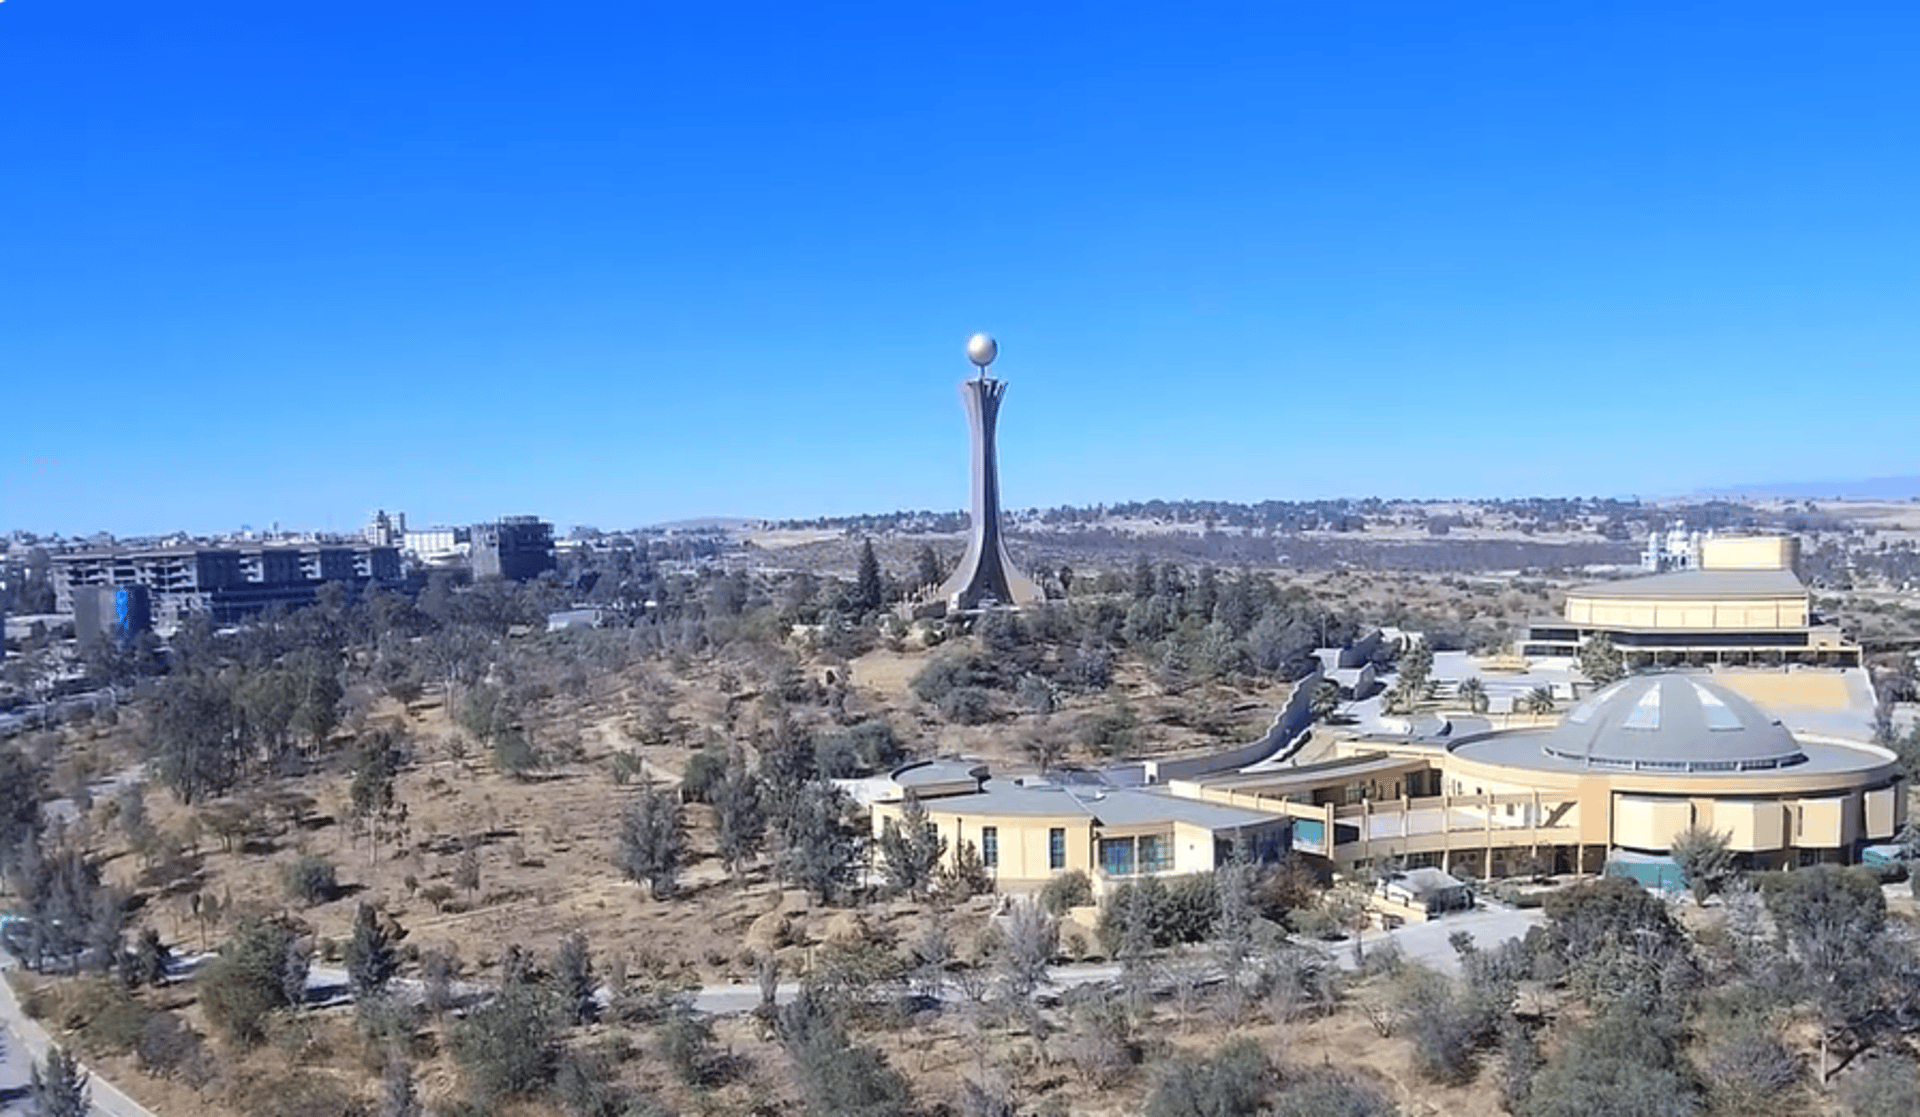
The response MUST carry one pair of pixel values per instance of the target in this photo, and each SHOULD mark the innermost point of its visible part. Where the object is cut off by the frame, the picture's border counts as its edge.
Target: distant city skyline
(1891, 488)
(618, 266)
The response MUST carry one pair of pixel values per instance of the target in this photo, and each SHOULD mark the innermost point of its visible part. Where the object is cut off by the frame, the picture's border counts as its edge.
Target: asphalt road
(16, 1068)
(15, 1073)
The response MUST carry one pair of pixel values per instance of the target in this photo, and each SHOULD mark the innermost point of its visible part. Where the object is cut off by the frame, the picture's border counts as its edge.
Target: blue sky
(617, 262)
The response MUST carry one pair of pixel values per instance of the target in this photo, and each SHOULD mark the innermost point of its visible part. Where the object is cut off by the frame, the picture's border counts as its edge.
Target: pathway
(26, 1042)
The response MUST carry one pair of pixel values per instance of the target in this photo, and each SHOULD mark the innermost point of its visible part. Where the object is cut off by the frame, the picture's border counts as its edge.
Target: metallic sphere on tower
(981, 350)
(986, 574)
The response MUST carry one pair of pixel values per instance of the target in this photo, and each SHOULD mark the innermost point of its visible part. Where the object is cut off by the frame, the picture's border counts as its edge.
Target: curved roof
(1675, 723)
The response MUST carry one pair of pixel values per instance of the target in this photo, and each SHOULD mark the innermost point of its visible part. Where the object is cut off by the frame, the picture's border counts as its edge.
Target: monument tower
(986, 573)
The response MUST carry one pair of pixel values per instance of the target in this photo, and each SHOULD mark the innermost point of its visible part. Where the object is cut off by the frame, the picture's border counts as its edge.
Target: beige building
(1744, 604)
(1616, 780)
(1624, 772)
(1029, 831)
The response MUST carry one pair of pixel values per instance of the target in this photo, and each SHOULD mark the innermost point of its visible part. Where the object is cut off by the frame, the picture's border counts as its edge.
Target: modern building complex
(226, 583)
(1615, 782)
(1028, 830)
(517, 548)
(986, 574)
(1742, 603)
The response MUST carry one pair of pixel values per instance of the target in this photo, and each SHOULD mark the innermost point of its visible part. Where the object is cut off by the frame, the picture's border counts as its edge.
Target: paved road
(1427, 943)
(20, 1050)
(15, 1072)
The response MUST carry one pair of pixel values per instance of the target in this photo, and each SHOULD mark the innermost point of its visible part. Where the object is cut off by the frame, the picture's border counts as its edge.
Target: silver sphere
(982, 349)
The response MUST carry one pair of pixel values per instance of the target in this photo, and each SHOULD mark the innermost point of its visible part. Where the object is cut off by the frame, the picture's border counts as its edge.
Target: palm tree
(1473, 693)
(1540, 700)
(1326, 699)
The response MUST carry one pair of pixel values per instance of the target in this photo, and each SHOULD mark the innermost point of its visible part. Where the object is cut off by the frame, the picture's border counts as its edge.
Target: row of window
(1124, 857)
(1147, 853)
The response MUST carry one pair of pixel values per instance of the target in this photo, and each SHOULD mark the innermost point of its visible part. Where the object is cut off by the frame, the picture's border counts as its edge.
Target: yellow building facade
(1743, 604)
(1621, 776)
(1625, 772)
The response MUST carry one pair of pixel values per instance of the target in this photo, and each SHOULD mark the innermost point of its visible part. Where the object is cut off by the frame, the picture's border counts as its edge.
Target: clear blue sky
(618, 262)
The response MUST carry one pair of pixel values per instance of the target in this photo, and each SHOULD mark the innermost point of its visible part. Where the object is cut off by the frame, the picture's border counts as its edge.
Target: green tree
(838, 1078)
(59, 1086)
(151, 959)
(371, 958)
(1416, 667)
(740, 815)
(1601, 662)
(377, 759)
(573, 979)
(510, 1046)
(466, 868)
(261, 969)
(1624, 1064)
(1540, 701)
(911, 849)
(20, 818)
(685, 1042)
(1705, 860)
(1066, 891)
(1326, 699)
(321, 694)
(1833, 922)
(1615, 941)
(653, 841)
(310, 878)
(927, 567)
(1235, 1082)
(195, 737)
(869, 589)
(816, 850)
(1473, 695)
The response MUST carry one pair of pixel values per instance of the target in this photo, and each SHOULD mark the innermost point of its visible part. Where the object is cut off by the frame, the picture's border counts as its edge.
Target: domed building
(1616, 780)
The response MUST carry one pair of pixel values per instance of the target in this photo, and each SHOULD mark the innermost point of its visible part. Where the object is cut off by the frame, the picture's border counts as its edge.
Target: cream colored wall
(1732, 614)
(1022, 839)
(1192, 848)
(1647, 822)
(1751, 825)
(1826, 823)
(1885, 811)
(1749, 552)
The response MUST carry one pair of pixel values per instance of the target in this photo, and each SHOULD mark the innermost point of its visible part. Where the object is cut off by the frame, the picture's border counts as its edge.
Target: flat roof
(1371, 764)
(1699, 584)
(1108, 807)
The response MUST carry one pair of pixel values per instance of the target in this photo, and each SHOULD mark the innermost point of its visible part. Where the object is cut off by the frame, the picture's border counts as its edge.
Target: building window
(1156, 853)
(1057, 848)
(990, 846)
(1116, 857)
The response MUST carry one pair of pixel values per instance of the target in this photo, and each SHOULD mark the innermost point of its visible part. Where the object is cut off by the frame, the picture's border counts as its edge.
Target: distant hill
(706, 523)
(1872, 488)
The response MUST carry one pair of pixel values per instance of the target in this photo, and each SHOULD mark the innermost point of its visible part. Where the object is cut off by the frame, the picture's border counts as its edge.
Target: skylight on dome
(1719, 715)
(1646, 712)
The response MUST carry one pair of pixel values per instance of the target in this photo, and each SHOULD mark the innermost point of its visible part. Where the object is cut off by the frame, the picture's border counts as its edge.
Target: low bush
(310, 879)
(1067, 891)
